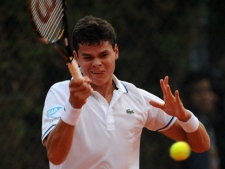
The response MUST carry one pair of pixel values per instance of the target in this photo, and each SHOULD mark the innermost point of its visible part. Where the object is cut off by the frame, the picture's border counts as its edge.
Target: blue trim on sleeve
(171, 120)
(47, 132)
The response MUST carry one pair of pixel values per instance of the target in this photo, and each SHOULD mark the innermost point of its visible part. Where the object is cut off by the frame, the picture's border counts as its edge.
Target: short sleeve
(55, 101)
(157, 119)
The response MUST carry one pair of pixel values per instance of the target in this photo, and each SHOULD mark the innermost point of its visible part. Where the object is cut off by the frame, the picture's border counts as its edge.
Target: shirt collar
(120, 86)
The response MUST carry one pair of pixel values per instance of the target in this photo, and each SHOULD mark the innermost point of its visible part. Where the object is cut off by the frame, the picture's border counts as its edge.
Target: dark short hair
(93, 31)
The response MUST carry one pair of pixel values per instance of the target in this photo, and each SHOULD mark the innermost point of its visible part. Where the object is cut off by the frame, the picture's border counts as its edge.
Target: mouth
(98, 72)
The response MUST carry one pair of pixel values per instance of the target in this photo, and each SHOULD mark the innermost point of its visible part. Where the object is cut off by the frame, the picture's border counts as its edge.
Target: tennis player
(96, 122)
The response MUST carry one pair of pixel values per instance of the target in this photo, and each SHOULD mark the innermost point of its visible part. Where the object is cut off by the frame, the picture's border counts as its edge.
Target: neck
(106, 90)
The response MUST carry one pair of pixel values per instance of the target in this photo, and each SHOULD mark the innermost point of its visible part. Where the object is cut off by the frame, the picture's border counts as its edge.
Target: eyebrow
(86, 54)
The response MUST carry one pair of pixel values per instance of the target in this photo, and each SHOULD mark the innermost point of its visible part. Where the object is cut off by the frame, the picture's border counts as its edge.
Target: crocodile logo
(129, 111)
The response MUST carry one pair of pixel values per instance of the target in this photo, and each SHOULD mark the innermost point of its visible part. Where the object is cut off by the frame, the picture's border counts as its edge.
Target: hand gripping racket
(48, 18)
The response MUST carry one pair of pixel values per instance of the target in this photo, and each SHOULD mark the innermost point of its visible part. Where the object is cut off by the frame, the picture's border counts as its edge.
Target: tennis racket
(49, 21)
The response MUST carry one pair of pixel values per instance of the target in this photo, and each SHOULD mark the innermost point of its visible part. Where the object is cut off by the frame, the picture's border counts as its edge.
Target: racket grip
(74, 69)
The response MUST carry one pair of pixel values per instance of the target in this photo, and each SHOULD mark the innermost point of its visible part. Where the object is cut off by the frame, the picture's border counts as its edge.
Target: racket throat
(68, 59)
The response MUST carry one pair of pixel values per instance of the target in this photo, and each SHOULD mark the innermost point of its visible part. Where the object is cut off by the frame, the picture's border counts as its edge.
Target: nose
(96, 62)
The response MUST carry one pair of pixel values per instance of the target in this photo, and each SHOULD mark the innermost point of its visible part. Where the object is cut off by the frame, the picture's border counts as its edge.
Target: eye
(103, 55)
(87, 58)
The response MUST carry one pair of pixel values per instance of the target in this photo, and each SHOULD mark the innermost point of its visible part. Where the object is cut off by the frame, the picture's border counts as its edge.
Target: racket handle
(74, 69)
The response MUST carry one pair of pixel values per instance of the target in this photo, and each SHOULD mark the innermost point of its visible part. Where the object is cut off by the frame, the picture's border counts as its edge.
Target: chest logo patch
(129, 111)
(52, 111)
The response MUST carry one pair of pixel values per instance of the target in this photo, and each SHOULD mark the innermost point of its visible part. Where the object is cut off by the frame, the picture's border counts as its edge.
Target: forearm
(199, 140)
(195, 132)
(59, 142)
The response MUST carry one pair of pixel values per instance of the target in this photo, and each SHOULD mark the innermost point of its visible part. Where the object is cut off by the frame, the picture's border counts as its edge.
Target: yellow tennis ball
(180, 151)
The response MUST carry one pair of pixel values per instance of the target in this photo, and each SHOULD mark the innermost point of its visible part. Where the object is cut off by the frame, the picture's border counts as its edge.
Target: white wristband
(70, 115)
(191, 125)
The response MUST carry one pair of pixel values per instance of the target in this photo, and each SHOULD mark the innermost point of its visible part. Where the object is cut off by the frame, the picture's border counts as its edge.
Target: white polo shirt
(106, 136)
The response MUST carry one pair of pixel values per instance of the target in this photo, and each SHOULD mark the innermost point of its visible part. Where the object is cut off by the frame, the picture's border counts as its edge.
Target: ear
(116, 50)
(75, 55)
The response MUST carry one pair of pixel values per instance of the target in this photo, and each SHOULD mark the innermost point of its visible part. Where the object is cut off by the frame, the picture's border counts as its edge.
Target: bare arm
(198, 140)
(59, 141)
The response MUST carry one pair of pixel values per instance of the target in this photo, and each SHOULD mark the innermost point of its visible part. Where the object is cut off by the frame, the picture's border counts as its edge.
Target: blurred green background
(155, 38)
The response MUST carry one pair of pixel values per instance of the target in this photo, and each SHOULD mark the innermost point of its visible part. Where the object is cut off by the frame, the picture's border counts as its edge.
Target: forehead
(95, 48)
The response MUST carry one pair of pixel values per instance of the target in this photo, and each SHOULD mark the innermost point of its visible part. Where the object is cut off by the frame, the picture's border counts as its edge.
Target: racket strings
(47, 17)
(49, 28)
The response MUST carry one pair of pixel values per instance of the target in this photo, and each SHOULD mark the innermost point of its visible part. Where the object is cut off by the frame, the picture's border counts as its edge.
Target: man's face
(97, 62)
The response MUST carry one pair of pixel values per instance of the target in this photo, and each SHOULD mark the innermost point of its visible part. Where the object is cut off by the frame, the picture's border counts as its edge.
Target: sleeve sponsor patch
(52, 111)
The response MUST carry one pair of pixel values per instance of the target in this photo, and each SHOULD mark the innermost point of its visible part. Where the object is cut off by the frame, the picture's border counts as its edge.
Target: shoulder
(60, 85)
(59, 89)
(141, 92)
(135, 91)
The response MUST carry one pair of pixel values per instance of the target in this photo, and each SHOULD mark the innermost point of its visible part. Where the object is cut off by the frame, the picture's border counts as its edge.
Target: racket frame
(67, 55)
